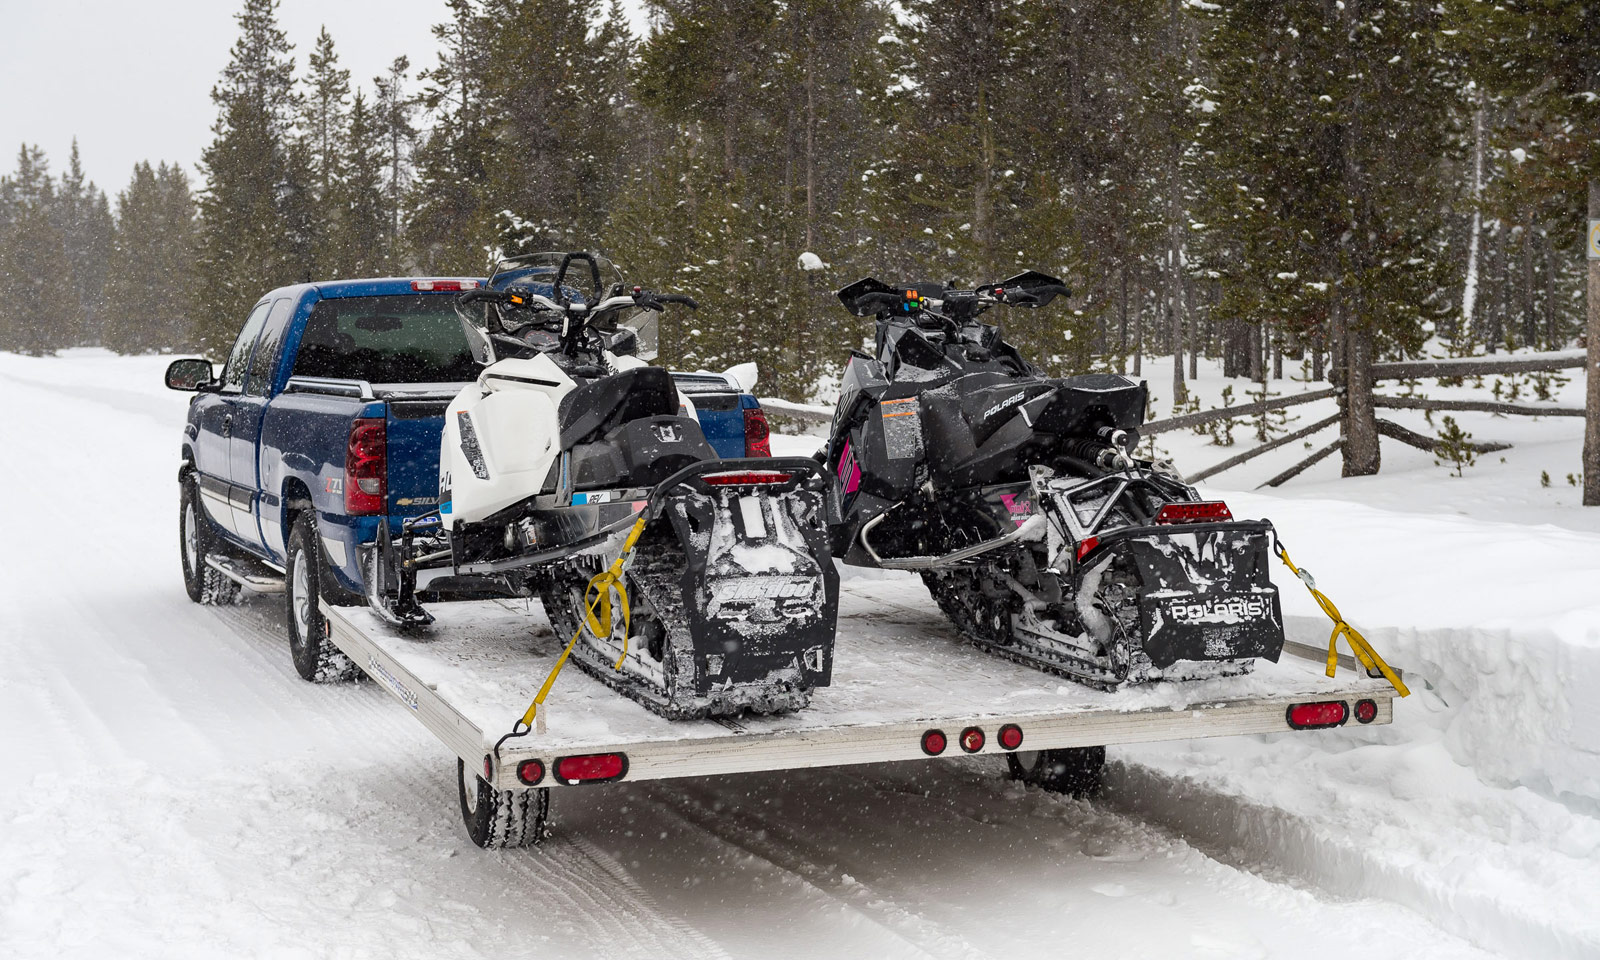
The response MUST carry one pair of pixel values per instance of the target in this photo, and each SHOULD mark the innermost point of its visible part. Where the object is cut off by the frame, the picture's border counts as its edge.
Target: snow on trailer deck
(899, 671)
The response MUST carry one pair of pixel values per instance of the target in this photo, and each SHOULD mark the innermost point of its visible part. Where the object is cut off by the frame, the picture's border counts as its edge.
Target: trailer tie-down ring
(1363, 650)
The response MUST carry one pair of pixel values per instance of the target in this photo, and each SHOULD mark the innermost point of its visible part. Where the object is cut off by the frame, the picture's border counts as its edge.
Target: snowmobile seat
(601, 406)
(1089, 401)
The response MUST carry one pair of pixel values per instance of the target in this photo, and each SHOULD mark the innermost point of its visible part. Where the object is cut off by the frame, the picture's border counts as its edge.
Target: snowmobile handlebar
(873, 297)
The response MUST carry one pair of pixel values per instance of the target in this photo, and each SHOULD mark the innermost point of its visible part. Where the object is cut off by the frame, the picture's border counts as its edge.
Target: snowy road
(169, 788)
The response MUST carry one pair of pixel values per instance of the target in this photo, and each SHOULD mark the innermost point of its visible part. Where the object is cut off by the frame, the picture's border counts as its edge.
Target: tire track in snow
(584, 887)
(782, 849)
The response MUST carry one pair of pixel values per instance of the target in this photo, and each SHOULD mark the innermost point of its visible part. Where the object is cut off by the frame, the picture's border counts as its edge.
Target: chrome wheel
(191, 539)
(301, 602)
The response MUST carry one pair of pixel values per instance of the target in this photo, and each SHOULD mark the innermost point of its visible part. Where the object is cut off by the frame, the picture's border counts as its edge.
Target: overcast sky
(132, 80)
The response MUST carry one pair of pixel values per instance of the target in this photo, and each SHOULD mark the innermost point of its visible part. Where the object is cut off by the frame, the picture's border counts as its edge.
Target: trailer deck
(899, 671)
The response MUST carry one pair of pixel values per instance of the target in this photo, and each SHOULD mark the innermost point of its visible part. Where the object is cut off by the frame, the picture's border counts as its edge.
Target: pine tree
(755, 134)
(255, 208)
(40, 312)
(361, 233)
(393, 108)
(1331, 122)
(551, 97)
(449, 229)
(150, 263)
(83, 216)
(322, 124)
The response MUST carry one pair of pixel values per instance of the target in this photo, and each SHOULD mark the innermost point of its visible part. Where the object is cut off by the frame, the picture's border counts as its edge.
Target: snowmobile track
(656, 583)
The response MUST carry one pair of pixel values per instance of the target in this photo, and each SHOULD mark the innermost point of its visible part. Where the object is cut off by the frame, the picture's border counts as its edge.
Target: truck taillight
(756, 434)
(443, 286)
(366, 467)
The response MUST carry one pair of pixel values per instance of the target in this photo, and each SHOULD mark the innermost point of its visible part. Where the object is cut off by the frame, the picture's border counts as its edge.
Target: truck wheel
(196, 540)
(315, 657)
(1076, 771)
(501, 818)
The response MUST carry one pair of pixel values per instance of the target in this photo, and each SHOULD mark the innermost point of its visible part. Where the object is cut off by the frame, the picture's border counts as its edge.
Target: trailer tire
(196, 541)
(1076, 771)
(501, 819)
(315, 657)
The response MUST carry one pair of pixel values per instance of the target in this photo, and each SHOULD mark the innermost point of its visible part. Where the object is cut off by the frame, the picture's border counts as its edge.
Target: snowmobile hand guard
(1363, 650)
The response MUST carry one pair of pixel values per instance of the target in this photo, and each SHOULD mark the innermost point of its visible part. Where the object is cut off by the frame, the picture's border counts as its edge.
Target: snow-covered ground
(169, 787)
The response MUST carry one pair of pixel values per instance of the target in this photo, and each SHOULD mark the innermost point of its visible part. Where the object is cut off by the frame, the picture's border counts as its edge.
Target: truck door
(213, 452)
(248, 407)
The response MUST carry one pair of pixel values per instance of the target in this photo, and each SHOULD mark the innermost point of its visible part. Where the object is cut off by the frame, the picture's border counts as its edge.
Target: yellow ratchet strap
(1363, 650)
(601, 586)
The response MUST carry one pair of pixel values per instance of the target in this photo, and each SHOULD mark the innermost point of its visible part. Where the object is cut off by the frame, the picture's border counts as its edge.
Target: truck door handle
(227, 425)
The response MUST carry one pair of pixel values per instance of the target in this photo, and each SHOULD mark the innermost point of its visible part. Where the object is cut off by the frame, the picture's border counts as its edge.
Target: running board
(252, 576)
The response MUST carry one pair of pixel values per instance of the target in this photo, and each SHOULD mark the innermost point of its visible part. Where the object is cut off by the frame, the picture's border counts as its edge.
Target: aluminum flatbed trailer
(905, 687)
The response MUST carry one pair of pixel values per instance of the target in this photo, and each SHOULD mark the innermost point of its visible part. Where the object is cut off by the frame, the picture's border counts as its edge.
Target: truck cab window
(233, 373)
(411, 338)
(264, 362)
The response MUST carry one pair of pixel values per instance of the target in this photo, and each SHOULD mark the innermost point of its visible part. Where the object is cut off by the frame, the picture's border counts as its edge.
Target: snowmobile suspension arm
(1028, 530)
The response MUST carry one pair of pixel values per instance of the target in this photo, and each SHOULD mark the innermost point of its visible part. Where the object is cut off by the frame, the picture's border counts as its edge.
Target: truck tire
(1076, 771)
(501, 819)
(315, 657)
(196, 541)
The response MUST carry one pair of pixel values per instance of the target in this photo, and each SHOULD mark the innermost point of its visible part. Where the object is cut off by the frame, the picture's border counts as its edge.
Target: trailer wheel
(196, 540)
(1076, 771)
(498, 819)
(315, 657)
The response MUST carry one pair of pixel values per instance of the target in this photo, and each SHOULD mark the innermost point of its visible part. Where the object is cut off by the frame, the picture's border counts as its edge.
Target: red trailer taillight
(1314, 716)
(971, 740)
(757, 435)
(366, 467)
(593, 768)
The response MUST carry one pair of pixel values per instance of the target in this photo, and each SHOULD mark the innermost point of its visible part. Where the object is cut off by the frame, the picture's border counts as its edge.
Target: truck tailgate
(414, 428)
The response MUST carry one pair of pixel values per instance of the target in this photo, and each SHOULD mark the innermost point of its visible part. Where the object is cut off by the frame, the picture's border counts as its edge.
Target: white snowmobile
(571, 452)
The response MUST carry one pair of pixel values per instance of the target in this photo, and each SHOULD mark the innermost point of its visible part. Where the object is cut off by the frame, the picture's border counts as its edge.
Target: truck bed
(899, 671)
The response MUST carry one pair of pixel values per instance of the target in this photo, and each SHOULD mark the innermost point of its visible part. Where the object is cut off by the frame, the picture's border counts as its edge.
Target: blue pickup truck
(324, 423)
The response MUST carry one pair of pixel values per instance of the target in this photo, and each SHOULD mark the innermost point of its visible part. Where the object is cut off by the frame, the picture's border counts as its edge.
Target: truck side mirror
(189, 374)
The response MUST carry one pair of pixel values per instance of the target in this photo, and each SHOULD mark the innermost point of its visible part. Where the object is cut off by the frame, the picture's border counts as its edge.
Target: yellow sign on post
(1594, 240)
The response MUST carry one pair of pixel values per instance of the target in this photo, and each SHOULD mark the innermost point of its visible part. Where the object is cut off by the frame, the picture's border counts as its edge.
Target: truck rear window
(409, 338)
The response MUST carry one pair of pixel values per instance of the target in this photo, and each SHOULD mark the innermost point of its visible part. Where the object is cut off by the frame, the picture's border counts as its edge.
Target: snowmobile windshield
(409, 338)
(537, 272)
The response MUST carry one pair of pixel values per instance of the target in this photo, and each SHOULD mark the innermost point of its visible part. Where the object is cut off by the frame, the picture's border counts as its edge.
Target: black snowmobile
(1019, 499)
(572, 471)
